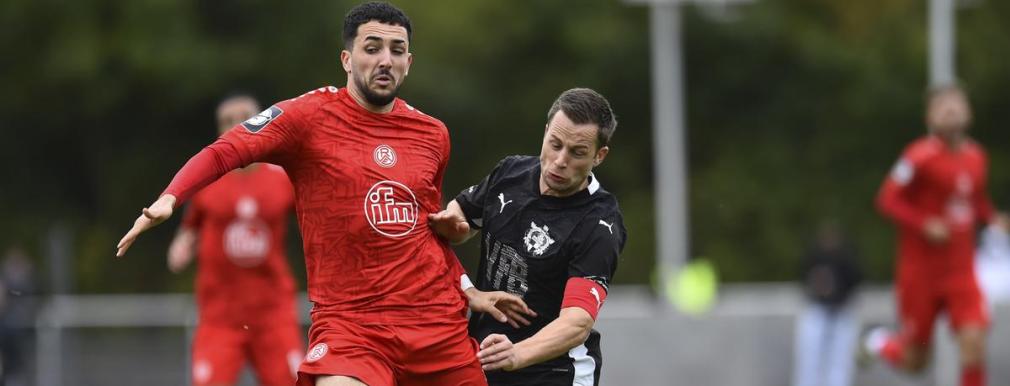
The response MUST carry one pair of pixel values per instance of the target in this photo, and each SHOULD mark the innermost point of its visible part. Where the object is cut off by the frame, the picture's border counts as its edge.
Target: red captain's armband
(585, 294)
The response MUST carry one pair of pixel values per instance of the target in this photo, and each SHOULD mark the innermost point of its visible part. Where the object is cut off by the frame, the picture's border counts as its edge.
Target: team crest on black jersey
(537, 239)
(261, 120)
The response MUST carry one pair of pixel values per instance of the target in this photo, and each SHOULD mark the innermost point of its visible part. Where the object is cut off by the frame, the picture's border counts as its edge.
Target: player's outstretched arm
(570, 329)
(502, 306)
(181, 251)
(153, 215)
(451, 224)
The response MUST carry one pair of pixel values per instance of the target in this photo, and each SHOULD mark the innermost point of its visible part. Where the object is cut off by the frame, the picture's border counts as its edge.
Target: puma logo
(609, 226)
(501, 197)
(596, 294)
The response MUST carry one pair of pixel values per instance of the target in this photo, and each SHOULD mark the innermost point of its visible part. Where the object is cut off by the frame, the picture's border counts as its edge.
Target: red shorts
(921, 299)
(435, 353)
(274, 351)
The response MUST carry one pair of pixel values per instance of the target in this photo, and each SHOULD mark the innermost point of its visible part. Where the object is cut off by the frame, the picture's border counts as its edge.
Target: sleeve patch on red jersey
(261, 120)
(903, 172)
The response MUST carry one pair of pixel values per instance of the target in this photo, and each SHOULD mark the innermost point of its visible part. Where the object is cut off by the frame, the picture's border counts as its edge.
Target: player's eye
(371, 50)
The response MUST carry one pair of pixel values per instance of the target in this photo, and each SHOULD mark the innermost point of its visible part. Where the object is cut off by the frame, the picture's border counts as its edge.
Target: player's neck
(953, 141)
(361, 101)
(545, 190)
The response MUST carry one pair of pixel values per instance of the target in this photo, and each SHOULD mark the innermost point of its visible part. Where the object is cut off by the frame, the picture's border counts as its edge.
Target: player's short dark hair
(379, 11)
(950, 88)
(583, 105)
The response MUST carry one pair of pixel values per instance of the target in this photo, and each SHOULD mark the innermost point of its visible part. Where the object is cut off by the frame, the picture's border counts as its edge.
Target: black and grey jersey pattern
(531, 244)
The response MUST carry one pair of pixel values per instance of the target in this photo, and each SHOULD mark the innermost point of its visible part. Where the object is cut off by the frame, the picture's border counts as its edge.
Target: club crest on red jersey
(391, 208)
(384, 156)
(318, 352)
(261, 120)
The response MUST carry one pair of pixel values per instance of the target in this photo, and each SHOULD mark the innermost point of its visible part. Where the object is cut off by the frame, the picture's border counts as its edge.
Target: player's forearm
(570, 329)
(205, 167)
(892, 205)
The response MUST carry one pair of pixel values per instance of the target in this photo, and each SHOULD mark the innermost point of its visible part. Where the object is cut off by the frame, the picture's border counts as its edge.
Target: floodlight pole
(669, 150)
(941, 43)
(668, 131)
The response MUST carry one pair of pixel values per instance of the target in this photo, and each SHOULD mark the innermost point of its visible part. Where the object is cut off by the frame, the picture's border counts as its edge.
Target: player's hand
(180, 252)
(936, 230)
(156, 214)
(451, 226)
(498, 353)
(1002, 221)
(502, 306)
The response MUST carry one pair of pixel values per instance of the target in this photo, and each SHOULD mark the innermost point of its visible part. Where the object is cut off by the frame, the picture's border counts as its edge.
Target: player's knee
(338, 380)
(972, 345)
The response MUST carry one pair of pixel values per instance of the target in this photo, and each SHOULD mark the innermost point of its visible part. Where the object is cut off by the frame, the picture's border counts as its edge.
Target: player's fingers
(516, 317)
(492, 339)
(516, 303)
(497, 314)
(523, 308)
(123, 245)
(497, 359)
(492, 353)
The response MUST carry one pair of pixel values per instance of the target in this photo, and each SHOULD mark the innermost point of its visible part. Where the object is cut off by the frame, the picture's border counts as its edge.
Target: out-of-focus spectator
(16, 314)
(992, 263)
(826, 331)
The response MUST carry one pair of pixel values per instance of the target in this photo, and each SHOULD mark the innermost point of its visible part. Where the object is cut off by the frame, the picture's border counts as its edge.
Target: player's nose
(385, 59)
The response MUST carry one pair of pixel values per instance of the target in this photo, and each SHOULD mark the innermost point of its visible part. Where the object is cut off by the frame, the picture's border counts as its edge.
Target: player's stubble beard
(373, 98)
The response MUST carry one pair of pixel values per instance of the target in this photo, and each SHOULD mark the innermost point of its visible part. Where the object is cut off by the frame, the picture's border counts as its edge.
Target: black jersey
(531, 244)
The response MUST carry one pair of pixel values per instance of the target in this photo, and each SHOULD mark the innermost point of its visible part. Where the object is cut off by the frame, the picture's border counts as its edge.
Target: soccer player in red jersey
(367, 170)
(238, 226)
(936, 195)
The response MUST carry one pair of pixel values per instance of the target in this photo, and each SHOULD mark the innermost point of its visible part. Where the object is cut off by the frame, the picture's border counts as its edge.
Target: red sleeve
(271, 135)
(205, 167)
(983, 204)
(892, 203)
(585, 294)
(194, 215)
(892, 200)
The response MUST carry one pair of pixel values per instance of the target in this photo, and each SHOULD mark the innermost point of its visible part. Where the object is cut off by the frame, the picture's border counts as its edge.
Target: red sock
(973, 375)
(893, 352)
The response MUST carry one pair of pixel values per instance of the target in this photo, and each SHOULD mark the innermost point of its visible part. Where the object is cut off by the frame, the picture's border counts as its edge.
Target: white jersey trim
(585, 366)
(594, 184)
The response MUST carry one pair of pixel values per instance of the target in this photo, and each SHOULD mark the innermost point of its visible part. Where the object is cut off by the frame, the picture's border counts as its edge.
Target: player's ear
(345, 60)
(410, 60)
(600, 155)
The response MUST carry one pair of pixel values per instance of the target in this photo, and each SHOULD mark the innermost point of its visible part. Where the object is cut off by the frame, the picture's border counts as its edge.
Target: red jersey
(241, 220)
(364, 185)
(933, 180)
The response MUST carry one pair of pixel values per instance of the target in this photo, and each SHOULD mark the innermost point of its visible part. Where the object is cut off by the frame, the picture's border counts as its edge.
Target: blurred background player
(244, 289)
(552, 235)
(826, 331)
(936, 195)
(17, 311)
(992, 264)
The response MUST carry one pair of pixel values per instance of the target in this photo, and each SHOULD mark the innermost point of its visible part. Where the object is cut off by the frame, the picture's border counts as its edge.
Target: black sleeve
(472, 198)
(595, 256)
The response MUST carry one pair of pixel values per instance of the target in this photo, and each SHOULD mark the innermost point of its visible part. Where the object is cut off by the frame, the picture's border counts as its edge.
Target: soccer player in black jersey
(550, 234)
